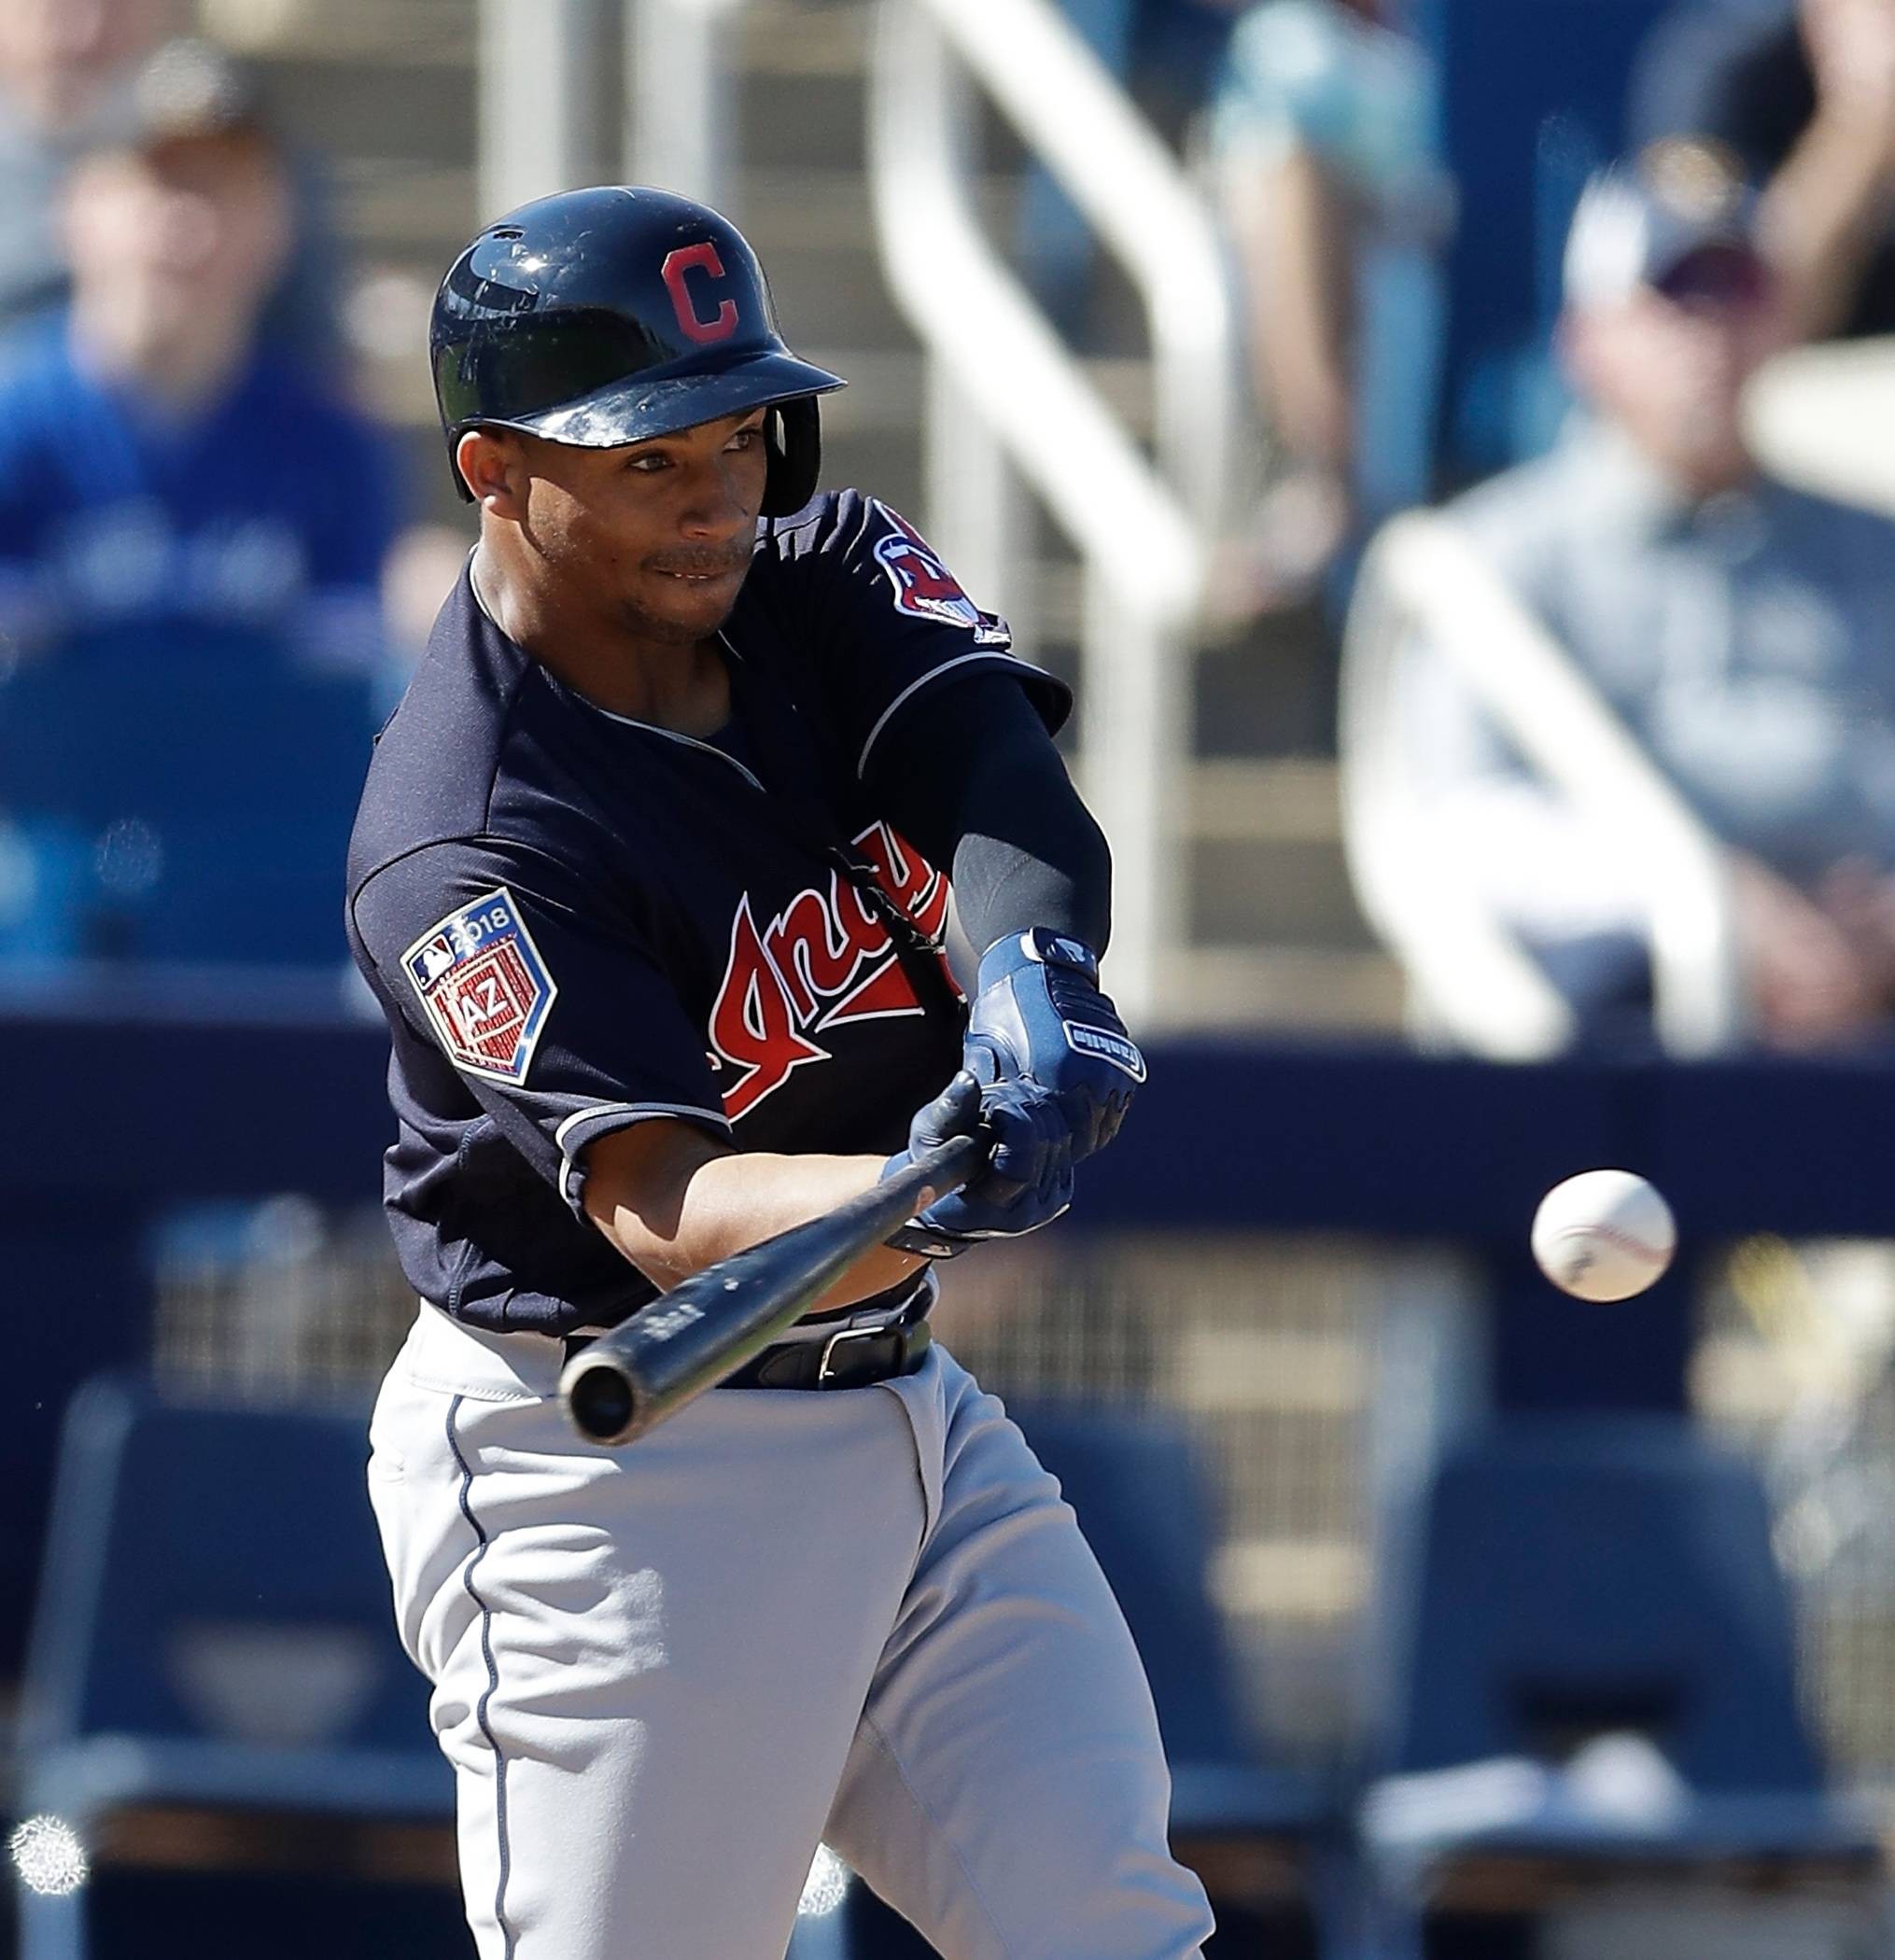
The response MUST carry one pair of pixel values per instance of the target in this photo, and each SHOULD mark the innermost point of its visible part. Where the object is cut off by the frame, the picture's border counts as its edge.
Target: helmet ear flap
(793, 434)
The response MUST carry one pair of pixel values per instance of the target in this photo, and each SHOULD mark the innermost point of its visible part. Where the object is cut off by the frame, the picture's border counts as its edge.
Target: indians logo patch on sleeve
(925, 589)
(484, 987)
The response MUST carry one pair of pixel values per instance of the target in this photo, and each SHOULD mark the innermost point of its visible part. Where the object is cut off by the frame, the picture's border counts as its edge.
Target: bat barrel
(628, 1380)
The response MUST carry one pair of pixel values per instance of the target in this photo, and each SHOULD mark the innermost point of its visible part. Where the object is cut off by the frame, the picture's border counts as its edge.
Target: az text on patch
(485, 989)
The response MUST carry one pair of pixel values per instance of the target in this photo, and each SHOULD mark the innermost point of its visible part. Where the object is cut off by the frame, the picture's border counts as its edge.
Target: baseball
(1602, 1235)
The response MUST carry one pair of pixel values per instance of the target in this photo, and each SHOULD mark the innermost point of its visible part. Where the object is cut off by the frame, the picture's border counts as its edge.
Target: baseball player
(651, 879)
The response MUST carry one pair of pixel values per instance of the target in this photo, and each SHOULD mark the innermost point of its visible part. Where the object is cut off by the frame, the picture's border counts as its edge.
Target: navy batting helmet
(604, 316)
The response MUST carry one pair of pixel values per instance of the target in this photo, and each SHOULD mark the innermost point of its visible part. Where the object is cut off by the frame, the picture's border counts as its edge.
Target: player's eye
(649, 462)
(748, 438)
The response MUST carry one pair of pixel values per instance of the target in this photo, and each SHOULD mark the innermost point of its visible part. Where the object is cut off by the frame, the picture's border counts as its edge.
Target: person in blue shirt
(192, 538)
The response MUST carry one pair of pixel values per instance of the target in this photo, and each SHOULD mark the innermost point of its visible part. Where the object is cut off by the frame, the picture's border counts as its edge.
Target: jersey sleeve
(886, 620)
(550, 1005)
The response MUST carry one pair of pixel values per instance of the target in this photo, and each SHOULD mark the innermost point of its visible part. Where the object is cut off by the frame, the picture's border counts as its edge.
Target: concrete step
(792, 38)
(1270, 690)
(1268, 986)
(886, 463)
(416, 112)
(782, 38)
(1265, 856)
(834, 294)
(1289, 799)
(1282, 891)
(405, 209)
(799, 121)
(337, 33)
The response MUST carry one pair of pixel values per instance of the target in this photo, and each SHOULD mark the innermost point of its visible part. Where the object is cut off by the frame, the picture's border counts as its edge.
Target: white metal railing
(545, 115)
(1004, 395)
(1424, 580)
(681, 133)
(1005, 402)
(538, 112)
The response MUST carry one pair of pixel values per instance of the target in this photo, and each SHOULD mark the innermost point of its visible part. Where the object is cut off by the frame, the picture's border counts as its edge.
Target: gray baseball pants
(664, 1674)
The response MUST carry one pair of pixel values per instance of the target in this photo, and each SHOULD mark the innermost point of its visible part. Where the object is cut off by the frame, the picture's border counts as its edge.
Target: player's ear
(491, 466)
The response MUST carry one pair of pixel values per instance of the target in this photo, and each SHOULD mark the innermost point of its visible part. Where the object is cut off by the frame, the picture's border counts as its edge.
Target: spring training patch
(484, 985)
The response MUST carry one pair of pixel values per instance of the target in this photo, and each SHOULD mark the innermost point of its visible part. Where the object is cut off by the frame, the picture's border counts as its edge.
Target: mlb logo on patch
(925, 589)
(484, 985)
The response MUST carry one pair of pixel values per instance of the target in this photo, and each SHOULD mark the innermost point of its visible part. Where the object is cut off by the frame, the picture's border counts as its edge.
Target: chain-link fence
(1796, 1365)
(1273, 1350)
(1310, 1371)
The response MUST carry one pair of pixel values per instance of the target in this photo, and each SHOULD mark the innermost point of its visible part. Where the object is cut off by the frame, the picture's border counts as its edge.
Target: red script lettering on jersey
(825, 960)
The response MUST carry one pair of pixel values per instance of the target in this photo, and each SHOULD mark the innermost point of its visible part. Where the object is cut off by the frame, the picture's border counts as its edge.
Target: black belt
(844, 1358)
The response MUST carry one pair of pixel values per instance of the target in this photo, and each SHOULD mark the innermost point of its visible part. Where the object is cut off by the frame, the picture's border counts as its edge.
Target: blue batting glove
(1026, 1183)
(1038, 1019)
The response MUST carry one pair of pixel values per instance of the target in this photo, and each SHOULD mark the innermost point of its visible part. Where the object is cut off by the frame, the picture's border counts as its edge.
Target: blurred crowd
(194, 516)
(1737, 201)
(200, 520)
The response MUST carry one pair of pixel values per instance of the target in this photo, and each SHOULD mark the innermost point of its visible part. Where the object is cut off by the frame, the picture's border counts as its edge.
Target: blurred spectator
(1319, 139)
(192, 540)
(1745, 633)
(67, 72)
(1803, 92)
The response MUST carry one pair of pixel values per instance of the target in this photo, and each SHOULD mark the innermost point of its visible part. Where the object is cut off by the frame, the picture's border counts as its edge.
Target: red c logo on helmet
(723, 324)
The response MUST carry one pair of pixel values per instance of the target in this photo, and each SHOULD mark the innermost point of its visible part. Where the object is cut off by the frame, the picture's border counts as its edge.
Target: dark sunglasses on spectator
(1717, 275)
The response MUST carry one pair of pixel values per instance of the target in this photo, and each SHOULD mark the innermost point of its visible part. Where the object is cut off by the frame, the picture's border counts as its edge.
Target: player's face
(658, 534)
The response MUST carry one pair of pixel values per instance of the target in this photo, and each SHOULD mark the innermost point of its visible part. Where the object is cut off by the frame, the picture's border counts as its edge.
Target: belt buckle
(825, 1372)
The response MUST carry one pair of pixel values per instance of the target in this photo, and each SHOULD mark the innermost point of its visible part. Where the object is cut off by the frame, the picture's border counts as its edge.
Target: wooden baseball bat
(708, 1325)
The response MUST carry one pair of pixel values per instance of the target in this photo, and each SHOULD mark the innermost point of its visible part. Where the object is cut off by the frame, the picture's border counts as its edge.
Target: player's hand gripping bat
(708, 1325)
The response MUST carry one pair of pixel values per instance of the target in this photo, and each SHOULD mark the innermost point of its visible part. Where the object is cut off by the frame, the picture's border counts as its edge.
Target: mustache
(706, 563)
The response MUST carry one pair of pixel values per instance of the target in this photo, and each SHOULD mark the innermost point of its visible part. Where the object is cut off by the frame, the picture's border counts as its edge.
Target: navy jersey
(574, 921)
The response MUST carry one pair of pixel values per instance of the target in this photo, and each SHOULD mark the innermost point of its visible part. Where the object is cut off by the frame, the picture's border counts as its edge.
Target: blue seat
(1581, 1577)
(1141, 1500)
(214, 1633)
(189, 804)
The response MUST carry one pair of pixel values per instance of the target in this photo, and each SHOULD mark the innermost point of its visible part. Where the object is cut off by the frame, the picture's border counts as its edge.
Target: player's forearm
(728, 1202)
(1003, 885)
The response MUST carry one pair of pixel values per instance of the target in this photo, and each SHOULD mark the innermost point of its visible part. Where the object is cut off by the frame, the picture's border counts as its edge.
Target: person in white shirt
(1742, 630)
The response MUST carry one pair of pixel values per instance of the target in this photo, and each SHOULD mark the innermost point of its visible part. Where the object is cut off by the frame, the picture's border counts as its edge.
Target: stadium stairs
(386, 89)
